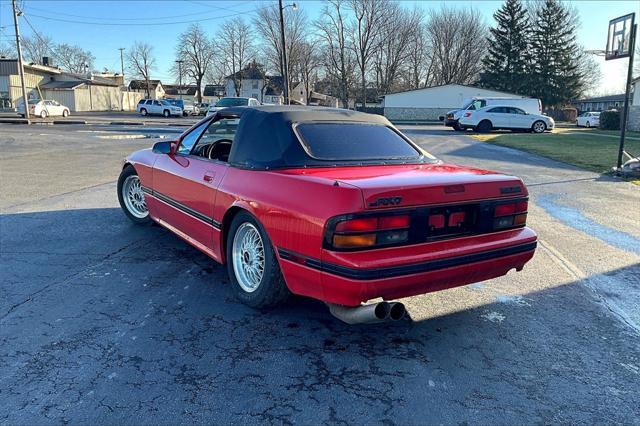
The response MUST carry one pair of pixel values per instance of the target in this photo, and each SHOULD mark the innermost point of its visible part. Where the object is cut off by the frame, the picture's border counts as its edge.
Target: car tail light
(510, 215)
(351, 233)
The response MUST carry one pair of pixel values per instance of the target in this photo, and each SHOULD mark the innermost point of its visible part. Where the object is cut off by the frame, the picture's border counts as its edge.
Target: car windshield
(231, 102)
(355, 142)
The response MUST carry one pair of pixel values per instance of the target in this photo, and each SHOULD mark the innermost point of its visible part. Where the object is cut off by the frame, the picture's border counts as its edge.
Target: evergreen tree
(505, 65)
(557, 76)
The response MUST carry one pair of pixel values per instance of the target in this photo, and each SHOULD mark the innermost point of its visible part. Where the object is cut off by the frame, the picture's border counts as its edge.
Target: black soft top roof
(265, 138)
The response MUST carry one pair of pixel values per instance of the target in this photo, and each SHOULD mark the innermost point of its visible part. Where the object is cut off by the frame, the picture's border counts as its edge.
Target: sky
(102, 26)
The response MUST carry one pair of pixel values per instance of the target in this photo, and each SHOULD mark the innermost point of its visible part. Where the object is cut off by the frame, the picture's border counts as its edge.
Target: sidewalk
(106, 117)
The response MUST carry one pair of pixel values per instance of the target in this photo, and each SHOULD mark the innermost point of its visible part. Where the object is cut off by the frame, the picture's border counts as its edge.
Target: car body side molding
(185, 209)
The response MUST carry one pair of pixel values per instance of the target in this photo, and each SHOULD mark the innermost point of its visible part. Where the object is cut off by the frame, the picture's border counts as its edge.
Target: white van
(529, 105)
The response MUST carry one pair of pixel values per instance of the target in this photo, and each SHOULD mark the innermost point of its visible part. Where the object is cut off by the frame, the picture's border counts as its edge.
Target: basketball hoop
(619, 37)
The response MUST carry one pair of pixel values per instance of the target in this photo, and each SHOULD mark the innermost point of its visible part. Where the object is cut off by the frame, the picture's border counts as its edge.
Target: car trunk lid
(421, 185)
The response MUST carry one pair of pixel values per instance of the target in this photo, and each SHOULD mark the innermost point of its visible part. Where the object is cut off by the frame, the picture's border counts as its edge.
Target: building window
(255, 84)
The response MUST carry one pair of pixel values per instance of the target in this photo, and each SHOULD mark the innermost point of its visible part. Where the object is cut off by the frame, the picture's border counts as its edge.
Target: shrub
(610, 120)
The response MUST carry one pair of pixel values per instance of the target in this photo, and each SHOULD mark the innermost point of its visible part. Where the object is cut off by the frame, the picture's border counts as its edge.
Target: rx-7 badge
(386, 201)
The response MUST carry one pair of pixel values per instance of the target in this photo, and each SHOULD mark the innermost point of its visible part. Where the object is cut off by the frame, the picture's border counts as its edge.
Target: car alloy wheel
(43, 114)
(248, 257)
(539, 127)
(588, 124)
(165, 113)
(65, 113)
(133, 197)
(143, 111)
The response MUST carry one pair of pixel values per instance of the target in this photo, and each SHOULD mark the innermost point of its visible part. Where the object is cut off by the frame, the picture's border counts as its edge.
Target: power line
(148, 23)
(42, 40)
(129, 19)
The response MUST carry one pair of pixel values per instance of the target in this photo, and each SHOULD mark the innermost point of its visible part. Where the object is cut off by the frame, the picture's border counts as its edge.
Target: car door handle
(208, 177)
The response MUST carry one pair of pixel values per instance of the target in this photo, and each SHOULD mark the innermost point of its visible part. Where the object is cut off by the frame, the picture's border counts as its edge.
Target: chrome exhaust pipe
(365, 314)
(397, 311)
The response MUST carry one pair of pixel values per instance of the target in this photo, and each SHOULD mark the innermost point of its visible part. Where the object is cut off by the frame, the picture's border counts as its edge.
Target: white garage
(430, 103)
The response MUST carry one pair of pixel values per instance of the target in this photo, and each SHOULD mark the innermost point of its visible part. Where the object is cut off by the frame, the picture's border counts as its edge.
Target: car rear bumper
(352, 278)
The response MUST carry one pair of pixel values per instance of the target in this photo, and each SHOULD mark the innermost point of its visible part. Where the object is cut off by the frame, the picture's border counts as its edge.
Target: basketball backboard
(619, 38)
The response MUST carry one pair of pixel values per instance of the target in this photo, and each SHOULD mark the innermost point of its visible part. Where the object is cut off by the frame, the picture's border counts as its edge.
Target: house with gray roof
(79, 92)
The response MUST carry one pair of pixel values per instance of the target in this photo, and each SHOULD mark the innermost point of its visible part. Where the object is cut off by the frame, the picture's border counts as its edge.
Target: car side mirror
(162, 147)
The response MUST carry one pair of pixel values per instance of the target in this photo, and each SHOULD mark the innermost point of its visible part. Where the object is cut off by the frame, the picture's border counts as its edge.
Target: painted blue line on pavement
(575, 219)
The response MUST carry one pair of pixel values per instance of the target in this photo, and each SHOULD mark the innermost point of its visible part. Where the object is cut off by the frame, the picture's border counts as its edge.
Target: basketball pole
(625, 113)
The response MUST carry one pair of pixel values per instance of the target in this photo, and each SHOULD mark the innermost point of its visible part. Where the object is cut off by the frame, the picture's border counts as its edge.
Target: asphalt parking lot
(104, 322)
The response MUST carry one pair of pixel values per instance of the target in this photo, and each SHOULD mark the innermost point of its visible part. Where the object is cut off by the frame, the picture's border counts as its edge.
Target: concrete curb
(14, 120)
(69, 122)
(127, 123)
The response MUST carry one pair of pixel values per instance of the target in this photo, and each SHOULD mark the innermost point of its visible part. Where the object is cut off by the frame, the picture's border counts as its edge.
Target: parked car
(187, 106)
(203, 107)
(157, 107)
(529, 105)
(588, 119)
(505, 117)
(44, 108)
(331, 204)
(231, 102)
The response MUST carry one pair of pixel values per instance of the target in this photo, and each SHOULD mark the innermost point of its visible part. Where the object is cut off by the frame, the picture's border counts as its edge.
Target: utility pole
(284, 56)
(179, 62)
(121, 49)
(20, 64)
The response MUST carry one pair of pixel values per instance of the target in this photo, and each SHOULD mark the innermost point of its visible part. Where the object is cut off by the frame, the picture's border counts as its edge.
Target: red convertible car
(327, 203)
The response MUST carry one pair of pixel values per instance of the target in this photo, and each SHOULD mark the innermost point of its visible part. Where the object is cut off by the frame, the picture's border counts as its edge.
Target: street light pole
(179, 62)
(20, 64)
(285, 73)
(285, 76)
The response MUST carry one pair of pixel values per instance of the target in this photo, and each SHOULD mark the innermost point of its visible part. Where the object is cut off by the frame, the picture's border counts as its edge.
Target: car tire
(131, 198)
(457, 127)
(166, 113)
(43, 114)
(65, 113)
(538, 127)
(484, 126)
(252, 264)
(143, 112)
(588, 125)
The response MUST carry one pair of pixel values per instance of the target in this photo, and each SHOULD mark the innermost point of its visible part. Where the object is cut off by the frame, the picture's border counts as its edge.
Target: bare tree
(7, 50)
(141, 62)
(309, 62)
(35, 48)
(369, 19)
(73, 58)
(197, 52)
(338, 58)
(419, 63)
(398, 36)
(267, 23)
(458, 38)
(235, 49)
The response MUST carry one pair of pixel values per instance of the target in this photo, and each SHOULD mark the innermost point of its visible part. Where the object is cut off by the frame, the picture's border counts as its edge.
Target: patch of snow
(493, 316)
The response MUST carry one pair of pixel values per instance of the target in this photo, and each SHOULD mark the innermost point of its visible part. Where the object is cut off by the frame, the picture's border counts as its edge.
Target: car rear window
(231, 102)
(354, 142)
